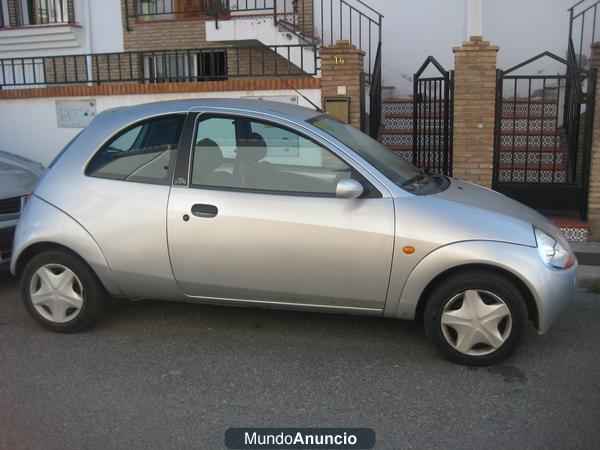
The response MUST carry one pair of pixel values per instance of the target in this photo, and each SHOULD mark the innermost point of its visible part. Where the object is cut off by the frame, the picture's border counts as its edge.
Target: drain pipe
(88, 38)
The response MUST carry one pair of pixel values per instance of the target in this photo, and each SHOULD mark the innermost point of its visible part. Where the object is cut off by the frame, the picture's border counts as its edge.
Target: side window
(144, 152)
(247, 154)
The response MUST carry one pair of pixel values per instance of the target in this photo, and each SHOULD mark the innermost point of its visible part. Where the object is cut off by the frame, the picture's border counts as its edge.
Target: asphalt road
(162, 375)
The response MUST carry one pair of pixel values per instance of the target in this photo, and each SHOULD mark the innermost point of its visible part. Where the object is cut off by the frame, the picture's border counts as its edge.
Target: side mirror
(348, 188)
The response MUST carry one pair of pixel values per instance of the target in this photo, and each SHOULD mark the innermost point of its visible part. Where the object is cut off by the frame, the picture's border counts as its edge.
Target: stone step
(533, 174)
(508, 156)
(531, 125)
(547, 140)
(575, 229)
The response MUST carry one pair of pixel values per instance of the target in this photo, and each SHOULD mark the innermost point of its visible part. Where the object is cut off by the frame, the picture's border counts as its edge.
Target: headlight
(553, 254)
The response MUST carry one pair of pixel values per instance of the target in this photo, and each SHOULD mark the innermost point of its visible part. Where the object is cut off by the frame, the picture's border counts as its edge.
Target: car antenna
(301, 95)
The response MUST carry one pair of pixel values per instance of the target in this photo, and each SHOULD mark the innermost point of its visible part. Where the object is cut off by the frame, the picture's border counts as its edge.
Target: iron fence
(190, 65)
(583, 29)
(543, 136)
(432, 118)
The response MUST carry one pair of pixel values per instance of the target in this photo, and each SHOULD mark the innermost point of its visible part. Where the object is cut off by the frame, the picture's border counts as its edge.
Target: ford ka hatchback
(252, 203)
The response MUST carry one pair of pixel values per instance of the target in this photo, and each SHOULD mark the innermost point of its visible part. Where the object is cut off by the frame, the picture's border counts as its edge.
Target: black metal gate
(543, 136)
(432, 118)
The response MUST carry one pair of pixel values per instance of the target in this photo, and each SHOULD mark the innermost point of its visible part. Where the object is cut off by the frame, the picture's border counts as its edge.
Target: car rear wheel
(61, 292)
(475, 318)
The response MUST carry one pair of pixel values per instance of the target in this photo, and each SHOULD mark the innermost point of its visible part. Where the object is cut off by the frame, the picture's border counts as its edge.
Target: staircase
(298, 49)
(528, 153)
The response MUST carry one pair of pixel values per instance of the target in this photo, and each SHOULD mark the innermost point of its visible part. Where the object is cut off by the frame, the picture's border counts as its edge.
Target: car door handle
(206, 211)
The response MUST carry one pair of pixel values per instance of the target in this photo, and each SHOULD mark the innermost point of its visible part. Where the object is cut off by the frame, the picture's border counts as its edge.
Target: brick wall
(149, 33)
(594, 189)
(342, 66)
(474, 111)
(185, 32)
(258, 62)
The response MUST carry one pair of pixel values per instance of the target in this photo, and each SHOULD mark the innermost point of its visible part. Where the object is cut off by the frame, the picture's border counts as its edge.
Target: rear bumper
(7, 234)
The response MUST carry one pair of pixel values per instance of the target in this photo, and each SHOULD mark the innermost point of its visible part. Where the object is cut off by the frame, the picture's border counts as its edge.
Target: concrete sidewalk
(588, 256)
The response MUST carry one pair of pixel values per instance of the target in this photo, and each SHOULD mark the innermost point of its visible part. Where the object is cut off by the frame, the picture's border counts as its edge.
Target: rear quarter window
(144, 152)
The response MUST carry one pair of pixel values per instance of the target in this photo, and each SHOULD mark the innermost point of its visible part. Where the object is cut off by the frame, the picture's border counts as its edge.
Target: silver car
(18, 175)
(252, 203)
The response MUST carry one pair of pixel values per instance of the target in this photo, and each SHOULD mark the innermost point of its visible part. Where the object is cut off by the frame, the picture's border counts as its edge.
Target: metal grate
(10, 205)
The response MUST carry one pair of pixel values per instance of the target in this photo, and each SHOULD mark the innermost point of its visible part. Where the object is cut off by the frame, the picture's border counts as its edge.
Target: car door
(258, 220)
(122, 202)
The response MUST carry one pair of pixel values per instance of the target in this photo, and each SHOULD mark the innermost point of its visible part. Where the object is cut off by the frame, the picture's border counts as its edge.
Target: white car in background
(18, 176)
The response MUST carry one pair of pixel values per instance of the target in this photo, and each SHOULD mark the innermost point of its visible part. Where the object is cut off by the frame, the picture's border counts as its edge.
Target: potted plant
(220, 9)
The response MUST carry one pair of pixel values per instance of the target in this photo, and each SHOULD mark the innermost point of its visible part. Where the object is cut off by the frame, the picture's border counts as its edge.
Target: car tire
(475, 318)
(61, 292)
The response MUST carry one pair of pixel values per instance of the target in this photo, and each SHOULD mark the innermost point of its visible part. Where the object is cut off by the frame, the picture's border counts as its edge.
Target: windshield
(393, 166)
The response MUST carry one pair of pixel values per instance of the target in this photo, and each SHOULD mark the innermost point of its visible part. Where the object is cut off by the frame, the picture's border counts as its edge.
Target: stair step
(530, 141)
(533, 101)
(532, 175)
(532, 158)
(533, 125)
(574, 229)
(548, 150)
(528, 133)
(398, 100)
(530, 166)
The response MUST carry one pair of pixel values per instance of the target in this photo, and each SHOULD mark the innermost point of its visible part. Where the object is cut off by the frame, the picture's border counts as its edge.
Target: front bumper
(553, 289)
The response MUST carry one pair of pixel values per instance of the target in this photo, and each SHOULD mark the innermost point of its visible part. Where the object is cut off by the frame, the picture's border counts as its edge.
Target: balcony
(36, 27)
(164, 66)
(175, 9)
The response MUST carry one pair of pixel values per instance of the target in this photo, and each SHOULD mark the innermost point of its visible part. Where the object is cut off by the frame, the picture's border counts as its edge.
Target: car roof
(290, 111)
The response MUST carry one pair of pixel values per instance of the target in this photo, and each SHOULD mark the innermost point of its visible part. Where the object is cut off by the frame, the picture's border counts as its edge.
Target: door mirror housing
(348, 188)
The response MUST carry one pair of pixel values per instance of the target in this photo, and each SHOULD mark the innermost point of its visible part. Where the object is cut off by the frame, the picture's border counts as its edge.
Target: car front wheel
(475, 318)
(61, 292)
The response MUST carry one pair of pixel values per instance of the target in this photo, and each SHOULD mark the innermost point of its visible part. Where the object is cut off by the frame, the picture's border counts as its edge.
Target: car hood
(489, 200)
(18, 175)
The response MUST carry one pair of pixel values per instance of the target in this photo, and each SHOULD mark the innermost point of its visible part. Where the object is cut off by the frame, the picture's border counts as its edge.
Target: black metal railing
(45, 12)
(432, 117)
(250, 5)
(583, 29)
(190, 65)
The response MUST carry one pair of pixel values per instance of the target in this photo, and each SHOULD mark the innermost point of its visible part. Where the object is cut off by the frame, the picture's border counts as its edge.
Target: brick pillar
(474, 111)
(341, 71)
(594, 190)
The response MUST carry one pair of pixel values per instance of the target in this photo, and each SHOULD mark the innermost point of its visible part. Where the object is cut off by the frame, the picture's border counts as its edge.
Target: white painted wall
(524, 29)
(97, 29)
(29, 127)
(414, 30)
(107, 31)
